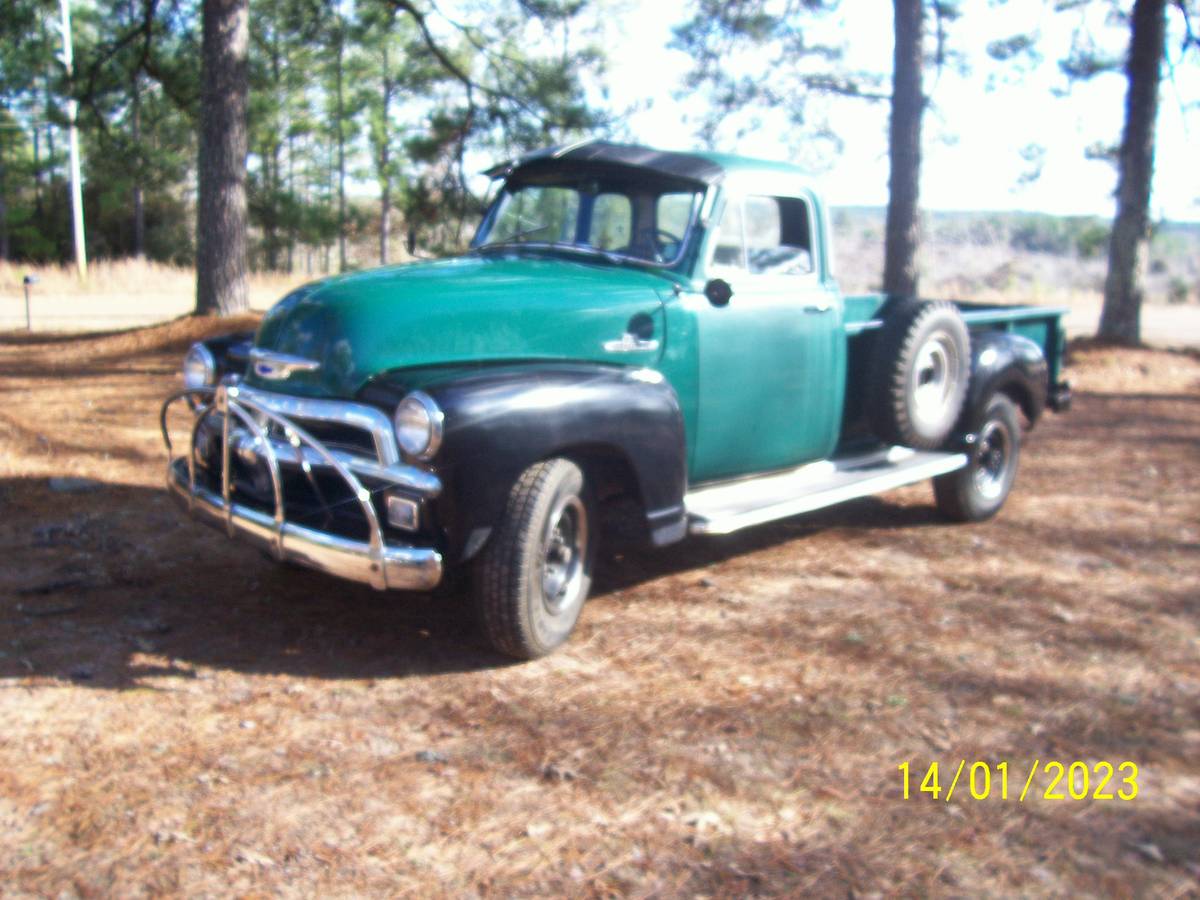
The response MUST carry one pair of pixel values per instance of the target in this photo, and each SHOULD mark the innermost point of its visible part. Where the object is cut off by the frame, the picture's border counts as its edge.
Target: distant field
(120, 294)
(1004, 258)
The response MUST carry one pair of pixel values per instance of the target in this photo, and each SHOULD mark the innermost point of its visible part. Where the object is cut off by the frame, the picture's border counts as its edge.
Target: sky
(973, 135)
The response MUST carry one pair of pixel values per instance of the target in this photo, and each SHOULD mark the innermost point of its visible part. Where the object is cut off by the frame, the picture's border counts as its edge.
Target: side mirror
(719, 292)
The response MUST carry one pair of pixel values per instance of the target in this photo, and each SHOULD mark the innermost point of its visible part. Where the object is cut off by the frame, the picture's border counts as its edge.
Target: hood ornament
(278, 366)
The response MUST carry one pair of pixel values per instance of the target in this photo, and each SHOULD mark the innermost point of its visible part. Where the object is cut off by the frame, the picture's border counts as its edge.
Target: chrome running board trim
(733, 505)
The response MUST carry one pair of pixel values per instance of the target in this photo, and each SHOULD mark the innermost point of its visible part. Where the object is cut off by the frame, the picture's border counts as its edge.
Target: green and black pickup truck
(657, 330)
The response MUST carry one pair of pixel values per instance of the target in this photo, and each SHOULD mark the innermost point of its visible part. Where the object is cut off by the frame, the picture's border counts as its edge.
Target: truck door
(771, 362)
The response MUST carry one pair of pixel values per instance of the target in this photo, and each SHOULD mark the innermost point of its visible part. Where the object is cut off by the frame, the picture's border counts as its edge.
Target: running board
(732, 505)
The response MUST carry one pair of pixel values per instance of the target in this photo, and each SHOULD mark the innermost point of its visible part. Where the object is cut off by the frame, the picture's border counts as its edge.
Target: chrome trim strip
(399, 475)
(630, 343)
(278, 366)
(343, 412)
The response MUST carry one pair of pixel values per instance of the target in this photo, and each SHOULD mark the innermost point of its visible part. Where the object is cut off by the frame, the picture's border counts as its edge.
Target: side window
(612, 222)
(778, 240)
(673, 213)
(730, 252)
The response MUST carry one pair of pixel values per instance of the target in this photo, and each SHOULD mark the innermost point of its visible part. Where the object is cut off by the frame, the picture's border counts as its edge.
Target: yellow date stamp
(1051, 780)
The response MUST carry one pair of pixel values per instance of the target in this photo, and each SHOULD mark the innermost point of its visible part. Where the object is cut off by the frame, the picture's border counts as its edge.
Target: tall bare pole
(73, 141)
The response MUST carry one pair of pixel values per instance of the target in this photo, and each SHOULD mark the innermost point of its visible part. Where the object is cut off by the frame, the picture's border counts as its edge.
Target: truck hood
(470, 309)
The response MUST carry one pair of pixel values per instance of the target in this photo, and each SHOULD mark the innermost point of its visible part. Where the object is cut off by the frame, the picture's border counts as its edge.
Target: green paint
(468, 309)
(761, 382)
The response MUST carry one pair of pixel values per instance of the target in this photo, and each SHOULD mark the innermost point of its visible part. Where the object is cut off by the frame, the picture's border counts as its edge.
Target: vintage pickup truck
(630, 326)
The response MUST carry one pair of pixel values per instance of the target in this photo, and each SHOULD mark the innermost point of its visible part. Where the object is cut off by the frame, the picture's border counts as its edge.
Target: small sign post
(29, 281)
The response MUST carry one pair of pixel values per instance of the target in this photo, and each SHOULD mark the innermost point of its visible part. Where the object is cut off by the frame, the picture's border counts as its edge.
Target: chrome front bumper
(245, 412)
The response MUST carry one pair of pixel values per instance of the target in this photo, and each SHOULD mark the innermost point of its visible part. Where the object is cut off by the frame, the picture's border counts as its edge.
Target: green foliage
(389, 94)
(1091, 240)
(1084, 236)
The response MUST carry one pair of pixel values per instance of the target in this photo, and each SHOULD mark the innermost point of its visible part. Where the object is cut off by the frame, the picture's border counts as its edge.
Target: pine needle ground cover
(179, 715)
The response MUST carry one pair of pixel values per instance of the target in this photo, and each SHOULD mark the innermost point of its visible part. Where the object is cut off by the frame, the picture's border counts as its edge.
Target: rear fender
(1006, 363)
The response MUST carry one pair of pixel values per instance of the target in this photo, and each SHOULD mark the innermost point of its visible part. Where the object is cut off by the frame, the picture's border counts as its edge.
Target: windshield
(632, 219)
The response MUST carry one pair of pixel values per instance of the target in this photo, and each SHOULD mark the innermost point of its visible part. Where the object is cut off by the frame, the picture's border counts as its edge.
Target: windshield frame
(572, 178)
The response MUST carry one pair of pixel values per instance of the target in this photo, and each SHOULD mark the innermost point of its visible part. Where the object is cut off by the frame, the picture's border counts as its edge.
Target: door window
(778, 239)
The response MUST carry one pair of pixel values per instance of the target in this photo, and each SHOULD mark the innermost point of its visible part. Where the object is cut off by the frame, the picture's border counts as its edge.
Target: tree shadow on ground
(99, 582)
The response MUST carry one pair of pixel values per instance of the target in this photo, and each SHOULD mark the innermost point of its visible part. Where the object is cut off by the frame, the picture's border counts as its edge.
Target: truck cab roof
(705, 167)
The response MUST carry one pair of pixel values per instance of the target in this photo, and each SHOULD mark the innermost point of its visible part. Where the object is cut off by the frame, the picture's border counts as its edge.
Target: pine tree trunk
(385, 219)
(385, 162)
(291, 189)
(904, 152)
(4, 247)
(1129, 246)
(270, 226)
(38, 207)
(272, 178)
(139, 206)
(221, 213)
(341, 153)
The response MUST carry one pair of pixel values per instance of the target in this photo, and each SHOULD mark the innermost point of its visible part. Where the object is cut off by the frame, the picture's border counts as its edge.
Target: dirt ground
(180, 716)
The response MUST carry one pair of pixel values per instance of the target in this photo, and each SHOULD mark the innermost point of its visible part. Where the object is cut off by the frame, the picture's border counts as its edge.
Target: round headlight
(199, 368)
(418, 422)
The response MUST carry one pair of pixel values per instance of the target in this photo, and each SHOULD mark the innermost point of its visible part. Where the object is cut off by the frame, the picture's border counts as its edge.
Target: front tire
(978, 490)
(532, 578)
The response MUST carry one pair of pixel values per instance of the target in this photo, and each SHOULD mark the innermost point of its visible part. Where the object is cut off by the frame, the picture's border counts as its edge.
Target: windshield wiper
(516, 238)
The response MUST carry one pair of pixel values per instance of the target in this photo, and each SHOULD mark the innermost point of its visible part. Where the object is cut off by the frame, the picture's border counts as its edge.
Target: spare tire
(919, 373)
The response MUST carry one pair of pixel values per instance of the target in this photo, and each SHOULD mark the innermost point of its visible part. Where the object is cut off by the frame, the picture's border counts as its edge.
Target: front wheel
(978, 490)
(531, 579)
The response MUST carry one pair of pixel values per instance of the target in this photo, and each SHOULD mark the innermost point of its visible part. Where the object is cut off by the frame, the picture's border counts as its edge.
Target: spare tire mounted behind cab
(919, 373)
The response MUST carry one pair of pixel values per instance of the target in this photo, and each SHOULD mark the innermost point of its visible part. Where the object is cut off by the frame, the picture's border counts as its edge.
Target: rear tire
(532, 577)
(919, 374)
(978, 490)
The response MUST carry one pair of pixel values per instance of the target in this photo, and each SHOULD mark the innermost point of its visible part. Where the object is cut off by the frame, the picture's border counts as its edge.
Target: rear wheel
(978, 490)
(533, 576)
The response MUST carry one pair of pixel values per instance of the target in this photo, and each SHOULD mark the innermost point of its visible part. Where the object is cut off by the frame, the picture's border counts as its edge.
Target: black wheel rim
(993, 455)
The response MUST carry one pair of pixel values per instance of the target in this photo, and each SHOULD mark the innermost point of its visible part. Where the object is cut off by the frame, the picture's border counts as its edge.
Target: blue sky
(973, 136)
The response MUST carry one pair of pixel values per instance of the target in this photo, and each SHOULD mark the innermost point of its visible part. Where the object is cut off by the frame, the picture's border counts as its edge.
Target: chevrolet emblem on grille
(278, 366)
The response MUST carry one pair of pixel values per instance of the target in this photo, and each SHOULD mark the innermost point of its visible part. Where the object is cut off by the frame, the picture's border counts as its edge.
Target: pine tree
(221, 218)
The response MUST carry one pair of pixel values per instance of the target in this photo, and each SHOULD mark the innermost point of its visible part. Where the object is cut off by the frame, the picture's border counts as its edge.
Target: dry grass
(117, 294)
(180, 716)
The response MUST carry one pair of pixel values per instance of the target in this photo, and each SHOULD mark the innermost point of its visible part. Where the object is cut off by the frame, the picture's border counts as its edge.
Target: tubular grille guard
(230, 402)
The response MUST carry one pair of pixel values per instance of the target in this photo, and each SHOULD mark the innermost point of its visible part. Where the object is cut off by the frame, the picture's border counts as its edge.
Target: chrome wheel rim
(932, 377)
(564, 551)
(992, 456)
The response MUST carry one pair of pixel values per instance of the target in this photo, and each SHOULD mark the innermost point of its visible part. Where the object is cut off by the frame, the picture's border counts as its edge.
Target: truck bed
(1041, 324)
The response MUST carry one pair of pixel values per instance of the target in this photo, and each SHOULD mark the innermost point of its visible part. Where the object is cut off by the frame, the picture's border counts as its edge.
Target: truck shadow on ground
(112, 586)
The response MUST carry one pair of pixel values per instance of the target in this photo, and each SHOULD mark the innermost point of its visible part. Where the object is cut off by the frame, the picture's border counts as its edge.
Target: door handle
(822, 307)
(630, 343)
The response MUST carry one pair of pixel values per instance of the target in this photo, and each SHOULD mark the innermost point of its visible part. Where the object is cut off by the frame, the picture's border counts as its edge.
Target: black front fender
(1010, 364)
(500, 422)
